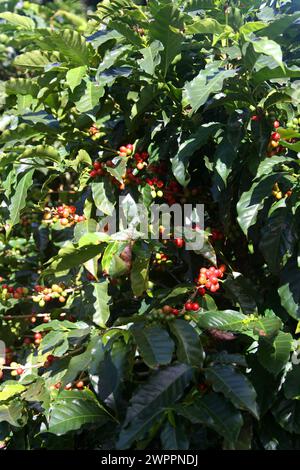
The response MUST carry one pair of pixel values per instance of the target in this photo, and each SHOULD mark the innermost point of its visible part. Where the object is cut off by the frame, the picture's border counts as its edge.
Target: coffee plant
(121, 341)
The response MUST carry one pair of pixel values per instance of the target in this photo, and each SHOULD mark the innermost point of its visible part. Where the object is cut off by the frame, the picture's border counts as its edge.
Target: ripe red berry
(20, 370)
(130, 147)
(201, 291)
(93, 174)
(97, 165)
(188, 306)
(276, 124)
(79, 384)
(195, 306)
(37, 336)
(179, 242)
(175, 311)
(275, 136)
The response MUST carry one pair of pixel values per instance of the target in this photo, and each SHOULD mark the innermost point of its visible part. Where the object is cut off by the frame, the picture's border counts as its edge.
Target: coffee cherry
(275, 136)
(61, 299)
(37, 336)
(188, 306)
(179, 242)
(175, 311)
(1, 374)
(79, 384)
(195, 306)
(167, 309)
(276, 124)
(97, 165)
(20, 370)
(93, 174)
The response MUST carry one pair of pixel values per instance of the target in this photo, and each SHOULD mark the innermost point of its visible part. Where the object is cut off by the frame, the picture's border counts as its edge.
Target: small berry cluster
(11, 292)
(161, 258)
(294, 124)
(156, 186)
(94, 131)
(79, 384)
(125, 150)
(46, 294)
(277, 193)
(17, 369)
(171, 190)
(98, 170)
(141, 159)
(191, 306)
(209, 278)
(216, 235)
(66, 215)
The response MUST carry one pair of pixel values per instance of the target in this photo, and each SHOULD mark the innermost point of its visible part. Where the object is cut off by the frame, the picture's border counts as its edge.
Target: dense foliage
(143, 342)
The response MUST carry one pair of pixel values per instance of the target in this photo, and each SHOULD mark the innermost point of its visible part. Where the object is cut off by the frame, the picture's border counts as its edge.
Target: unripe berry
(79, 384)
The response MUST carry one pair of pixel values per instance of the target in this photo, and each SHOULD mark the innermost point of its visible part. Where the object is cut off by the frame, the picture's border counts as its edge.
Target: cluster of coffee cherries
(17, 369)
(171, 190)
(161, 258)
(294, 124)
(94, 131)
(79, 384)
(46, 294)
(98, 169)
(66, 215)
(141, 160)
(209, 278)
(278, 194)
(156, 186)
(166, 313)
(11, 292)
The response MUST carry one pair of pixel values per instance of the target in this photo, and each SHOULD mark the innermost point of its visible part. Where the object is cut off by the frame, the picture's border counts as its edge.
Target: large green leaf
(70, 44)
(208, 81)
(101, 313)
(13, 413)
(161, 391)
(72, 409)
(274, 354)
(289, 290)
(234, 385)
(90, 98)
(216, 412)
(187, 149)
(151, 57)
(23, 22)
(35, 59)
(74, 76)
(154, 344)
(18, 200)
(188, 345)
(103, 197)
(165, 28)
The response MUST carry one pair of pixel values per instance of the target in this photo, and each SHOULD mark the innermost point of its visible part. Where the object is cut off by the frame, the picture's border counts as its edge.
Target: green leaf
(252, 201)
(10, 389)
(74, 76)
(273, 355)
(45, 152)
(13, 413)
(174, 437)
(154, 344)
(289, 290)
(291, 385)
(71, 256)
(23, 22)
(67, 42)
(35, 60)
(208, 81)
(151, 57)
(187, 149)
(139, 274)
(146, 406)
(287, 414)
(18, 200)
(90, 97)
(216, 412)
(103, 196)
(234, 385)
(268, 47)
(188, 345)
(164, 28)
(101, 308)
(21, 86)
(207, 26)
(72, 409)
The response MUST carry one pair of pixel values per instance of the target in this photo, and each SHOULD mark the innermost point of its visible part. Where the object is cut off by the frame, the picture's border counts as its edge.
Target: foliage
(112, 334)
